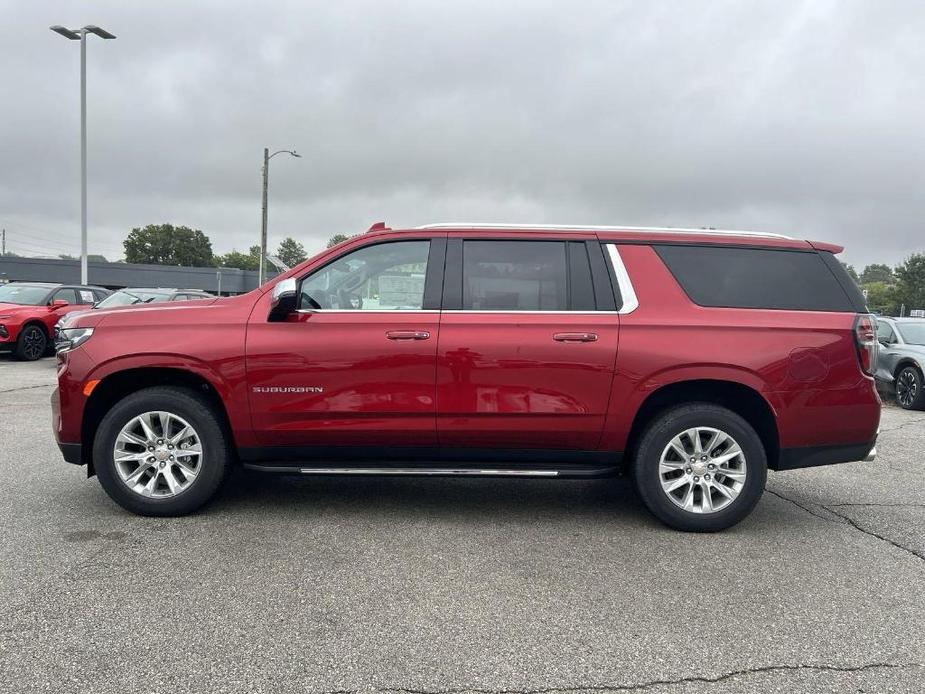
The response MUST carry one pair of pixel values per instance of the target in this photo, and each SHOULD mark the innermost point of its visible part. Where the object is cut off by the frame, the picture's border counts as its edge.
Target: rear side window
(755, 278)
(515, 276)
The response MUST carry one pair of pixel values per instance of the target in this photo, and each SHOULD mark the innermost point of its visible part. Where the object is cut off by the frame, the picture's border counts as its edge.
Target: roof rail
(591, 227)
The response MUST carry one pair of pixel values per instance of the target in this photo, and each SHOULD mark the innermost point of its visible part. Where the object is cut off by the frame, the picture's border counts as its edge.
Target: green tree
(881, 298)
(336, 239)
(852, 273)
(291, 252)
(877, 273)
(910, 282)
(165, 244)
(242, 261)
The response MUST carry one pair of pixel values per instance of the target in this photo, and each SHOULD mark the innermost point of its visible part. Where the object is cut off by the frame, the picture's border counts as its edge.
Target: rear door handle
(575, 337)
(408, 335)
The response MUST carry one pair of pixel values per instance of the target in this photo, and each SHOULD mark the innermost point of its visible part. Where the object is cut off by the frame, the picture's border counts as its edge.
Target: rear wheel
(700, 467)
(910, 391)
(31, 343)
(161, 452)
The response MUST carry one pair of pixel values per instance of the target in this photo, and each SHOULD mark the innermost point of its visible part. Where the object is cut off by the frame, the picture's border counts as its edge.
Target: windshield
(125, 297)
(23, 294)
(912, 333)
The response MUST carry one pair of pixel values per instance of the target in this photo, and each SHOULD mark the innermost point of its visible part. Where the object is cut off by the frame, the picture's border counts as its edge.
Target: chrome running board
(431, 471)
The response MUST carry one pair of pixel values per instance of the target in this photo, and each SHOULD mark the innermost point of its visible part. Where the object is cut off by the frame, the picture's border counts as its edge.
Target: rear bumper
(814, 456)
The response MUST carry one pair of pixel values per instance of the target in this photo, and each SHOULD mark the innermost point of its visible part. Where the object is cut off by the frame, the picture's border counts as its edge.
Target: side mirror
(284, 300)
(58, 303)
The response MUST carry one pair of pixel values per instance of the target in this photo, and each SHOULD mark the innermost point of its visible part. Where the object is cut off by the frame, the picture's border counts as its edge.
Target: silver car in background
(901, 359)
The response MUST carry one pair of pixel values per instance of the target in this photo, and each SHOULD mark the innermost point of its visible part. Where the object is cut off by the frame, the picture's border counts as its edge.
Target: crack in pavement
(902, 426)
(850, 521)
(806, 508)
(866, 531)
(14, 390)
(897, 505)
(640, 686)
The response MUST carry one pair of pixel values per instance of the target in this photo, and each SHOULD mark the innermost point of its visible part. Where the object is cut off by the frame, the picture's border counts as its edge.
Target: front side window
(382, 277)
(515, 276)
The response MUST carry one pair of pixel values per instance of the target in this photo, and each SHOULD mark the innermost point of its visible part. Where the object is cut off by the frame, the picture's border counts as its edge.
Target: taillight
(865, 337)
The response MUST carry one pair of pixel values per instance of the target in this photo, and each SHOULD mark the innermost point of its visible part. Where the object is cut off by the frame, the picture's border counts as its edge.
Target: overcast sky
(804, 118)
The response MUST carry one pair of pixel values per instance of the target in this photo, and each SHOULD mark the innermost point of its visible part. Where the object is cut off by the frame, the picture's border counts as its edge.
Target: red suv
(29, 311)
(695, 360)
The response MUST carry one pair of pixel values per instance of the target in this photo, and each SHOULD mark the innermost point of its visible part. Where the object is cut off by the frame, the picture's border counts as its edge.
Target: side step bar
(578, 471)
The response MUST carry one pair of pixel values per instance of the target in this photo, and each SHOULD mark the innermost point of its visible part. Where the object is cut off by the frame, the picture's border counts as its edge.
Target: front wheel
(31, 343)
(161, 452)
(700, 467)
(910, 392)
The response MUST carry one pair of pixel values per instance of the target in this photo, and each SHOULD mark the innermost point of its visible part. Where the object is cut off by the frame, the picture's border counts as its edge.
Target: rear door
(528, 340)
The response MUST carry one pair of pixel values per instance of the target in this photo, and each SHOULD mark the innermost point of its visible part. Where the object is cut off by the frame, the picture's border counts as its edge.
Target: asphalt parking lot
(443, 586)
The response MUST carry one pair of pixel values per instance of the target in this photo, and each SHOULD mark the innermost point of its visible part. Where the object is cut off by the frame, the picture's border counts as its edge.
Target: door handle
(575, 337)
(407, 335)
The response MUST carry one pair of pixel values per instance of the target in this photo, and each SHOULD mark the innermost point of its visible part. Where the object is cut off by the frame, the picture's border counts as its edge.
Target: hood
(137, 313)
(10, 308)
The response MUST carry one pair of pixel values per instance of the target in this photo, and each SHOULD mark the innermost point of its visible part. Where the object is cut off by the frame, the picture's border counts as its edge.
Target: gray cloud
(798, 117)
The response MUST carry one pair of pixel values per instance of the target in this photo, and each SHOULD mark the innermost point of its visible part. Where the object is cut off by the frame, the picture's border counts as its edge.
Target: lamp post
(81, 35)
(261, 272)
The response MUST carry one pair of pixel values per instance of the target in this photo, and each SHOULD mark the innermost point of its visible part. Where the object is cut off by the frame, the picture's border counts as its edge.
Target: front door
(354, 365)
(526, 359)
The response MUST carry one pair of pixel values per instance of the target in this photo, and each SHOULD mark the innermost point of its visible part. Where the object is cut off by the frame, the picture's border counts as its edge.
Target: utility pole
(263, 223)
(3, 243)
(261, 271)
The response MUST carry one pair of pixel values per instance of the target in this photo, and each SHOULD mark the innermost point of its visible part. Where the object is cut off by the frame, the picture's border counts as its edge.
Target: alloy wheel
(907, 387)
(33, 343)
(158, 454)
(702, 470)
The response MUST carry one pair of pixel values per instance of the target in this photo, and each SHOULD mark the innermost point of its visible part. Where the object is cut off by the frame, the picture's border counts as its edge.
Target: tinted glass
(515, 276)
(581, 288)
(383, 277)
(23, 294)
(755, 278)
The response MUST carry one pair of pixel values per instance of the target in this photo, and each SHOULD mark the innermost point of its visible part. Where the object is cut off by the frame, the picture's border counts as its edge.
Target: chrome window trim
(627, 292)
(450, 311)
(362, 310)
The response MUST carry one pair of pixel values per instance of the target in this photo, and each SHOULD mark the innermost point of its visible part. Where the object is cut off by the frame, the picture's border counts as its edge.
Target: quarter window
(515, 276)
(382, 277)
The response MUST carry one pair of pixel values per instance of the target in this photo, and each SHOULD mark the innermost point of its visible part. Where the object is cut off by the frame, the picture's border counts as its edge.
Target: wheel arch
(744, 400)
(119, 384)
(903, 363)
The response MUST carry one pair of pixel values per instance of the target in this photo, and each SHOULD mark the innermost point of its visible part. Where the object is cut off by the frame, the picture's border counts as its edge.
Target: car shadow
(446, 498)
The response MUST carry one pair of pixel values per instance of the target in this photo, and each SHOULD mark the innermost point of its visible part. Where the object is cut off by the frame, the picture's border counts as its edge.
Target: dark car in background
(901, 359)
(30, 310)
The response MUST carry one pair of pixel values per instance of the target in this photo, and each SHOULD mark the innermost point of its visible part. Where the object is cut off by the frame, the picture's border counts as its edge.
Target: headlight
(69, 338)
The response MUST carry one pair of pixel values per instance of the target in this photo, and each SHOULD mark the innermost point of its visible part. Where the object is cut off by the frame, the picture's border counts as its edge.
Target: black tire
(910, 388)
(200, 414)
(31, 344)
(662, 430)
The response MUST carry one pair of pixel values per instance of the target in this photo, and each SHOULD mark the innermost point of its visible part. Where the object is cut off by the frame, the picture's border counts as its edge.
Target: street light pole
(81, 35)
(261, 271)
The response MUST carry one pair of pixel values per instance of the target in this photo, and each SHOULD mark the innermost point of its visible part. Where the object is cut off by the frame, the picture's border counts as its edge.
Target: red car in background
(29, 311)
